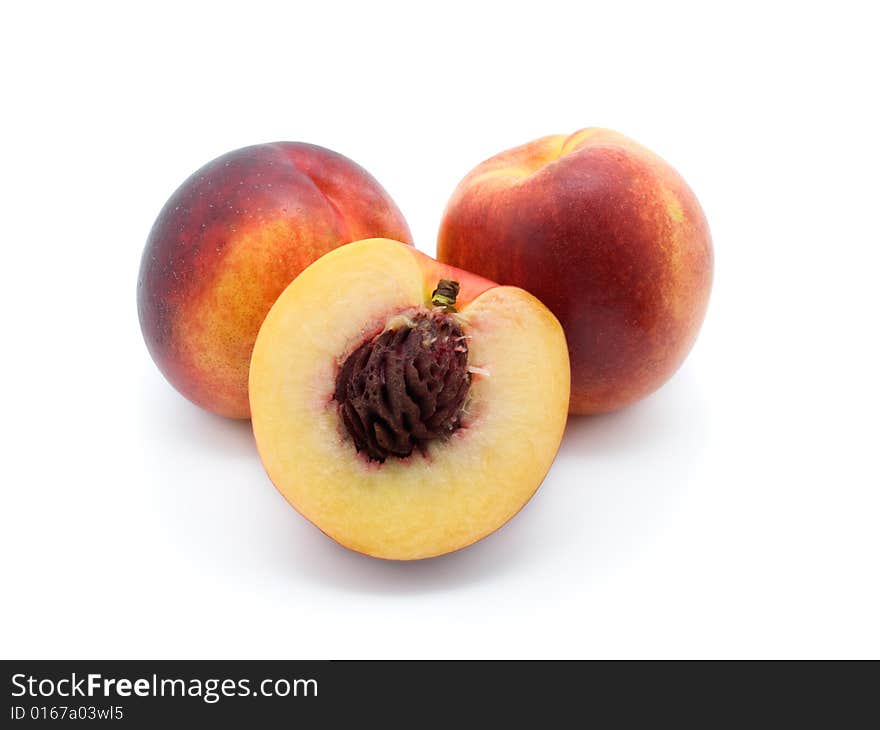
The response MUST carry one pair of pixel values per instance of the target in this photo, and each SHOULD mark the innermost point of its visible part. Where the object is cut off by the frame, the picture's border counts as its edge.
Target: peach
(609, 237)
(228, 242)
(405, 407)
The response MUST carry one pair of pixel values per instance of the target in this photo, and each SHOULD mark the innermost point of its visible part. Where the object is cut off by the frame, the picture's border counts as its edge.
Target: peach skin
(605, 233)
(228, 242)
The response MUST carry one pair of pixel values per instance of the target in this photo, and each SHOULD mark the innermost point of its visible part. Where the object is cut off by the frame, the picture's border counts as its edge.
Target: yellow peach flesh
(463, 488)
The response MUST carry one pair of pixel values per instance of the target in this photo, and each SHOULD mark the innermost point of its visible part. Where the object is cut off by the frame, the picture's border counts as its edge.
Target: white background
(735, 513)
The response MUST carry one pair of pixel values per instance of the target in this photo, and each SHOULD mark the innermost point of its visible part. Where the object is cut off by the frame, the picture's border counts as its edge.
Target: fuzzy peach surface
(605, 233)
(229, 241)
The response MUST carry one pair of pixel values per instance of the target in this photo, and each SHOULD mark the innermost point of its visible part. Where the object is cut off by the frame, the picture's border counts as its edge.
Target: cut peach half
(405, 407)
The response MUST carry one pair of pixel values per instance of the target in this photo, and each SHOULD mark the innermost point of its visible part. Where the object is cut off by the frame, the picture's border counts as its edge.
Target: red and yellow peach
(605, 233)
(229, 241)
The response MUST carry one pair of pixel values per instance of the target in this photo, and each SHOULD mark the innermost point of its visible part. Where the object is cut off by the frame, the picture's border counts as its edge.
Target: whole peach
(609, 237)
(228, 242)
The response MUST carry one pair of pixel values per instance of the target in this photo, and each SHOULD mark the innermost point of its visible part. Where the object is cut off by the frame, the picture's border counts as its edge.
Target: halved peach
(405, 407)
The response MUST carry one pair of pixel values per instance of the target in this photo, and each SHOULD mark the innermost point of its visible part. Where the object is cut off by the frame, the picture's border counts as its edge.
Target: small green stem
(445, 293)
